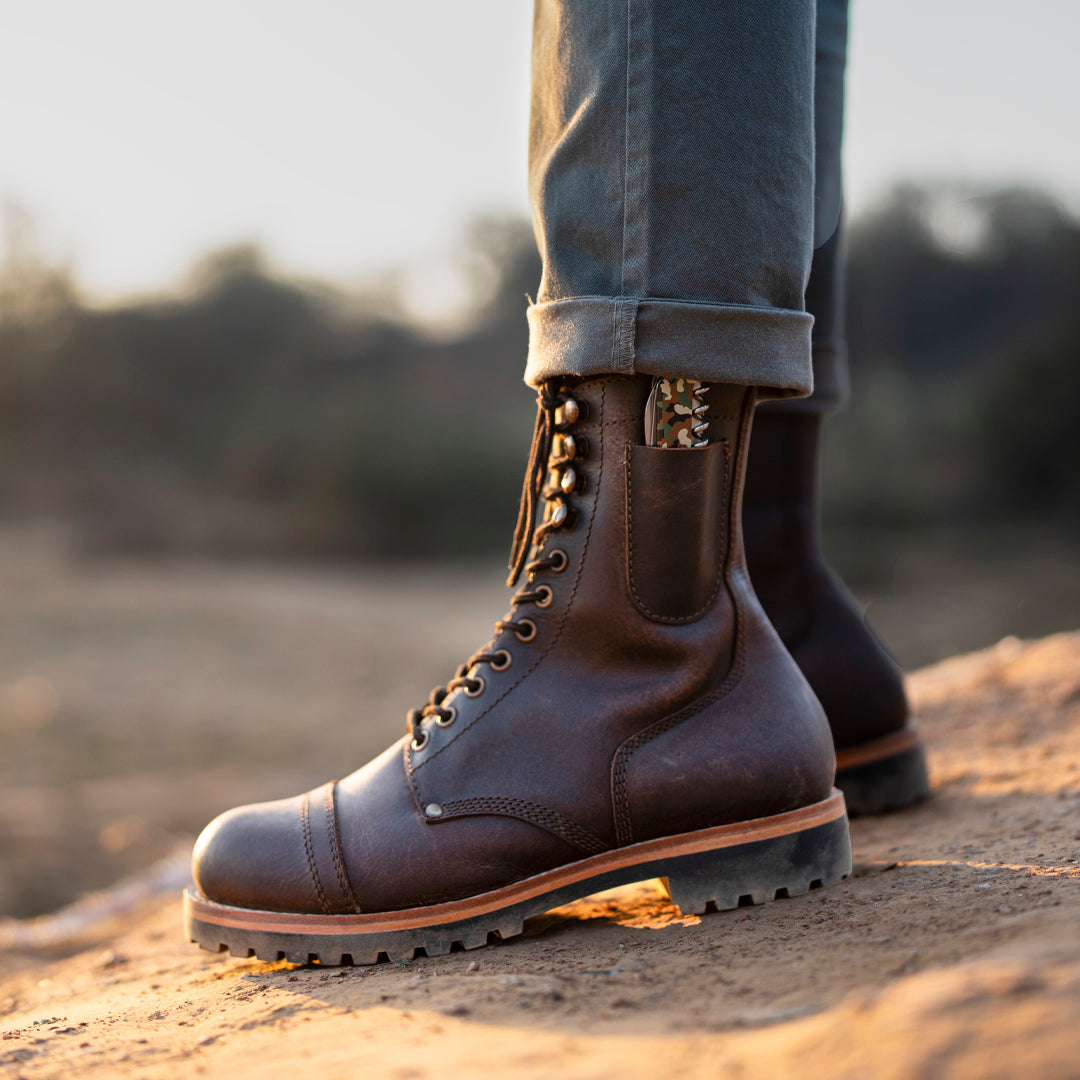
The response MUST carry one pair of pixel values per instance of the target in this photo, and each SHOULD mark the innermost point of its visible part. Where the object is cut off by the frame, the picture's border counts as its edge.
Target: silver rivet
(568, 481)
(433, 809)
(559, 514)
(570, 411)
(569, 447)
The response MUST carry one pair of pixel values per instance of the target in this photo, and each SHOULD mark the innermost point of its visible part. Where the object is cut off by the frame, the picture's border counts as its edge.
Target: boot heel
(890, 783)
(754, 873)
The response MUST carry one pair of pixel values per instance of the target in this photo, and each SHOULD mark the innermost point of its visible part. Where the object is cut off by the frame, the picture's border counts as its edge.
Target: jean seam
(635, 150)
(626, 148)
(624, 329)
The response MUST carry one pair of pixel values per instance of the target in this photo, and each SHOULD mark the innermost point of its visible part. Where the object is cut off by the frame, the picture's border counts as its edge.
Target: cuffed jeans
(684, 163)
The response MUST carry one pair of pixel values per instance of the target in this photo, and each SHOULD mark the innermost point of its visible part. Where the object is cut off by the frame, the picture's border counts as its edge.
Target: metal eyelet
(562, 563)
(569, 446)
(548, 596)
(558, 515)
(529, 634)
(568, 481)
(419, 744)
(479, 690)
(503, 664)
(446, 721)
(570, 411)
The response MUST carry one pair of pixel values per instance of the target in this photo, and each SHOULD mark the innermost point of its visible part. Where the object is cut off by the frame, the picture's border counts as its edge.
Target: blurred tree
(249, 412)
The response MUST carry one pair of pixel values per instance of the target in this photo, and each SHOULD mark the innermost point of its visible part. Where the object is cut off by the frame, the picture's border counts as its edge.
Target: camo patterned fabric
(674, 420)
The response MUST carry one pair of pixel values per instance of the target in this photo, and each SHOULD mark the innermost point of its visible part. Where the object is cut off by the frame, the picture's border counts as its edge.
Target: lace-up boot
(634, 716)
(880, 762)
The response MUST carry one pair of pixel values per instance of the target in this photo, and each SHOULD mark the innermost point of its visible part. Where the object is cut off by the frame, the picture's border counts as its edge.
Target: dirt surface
(953, 951)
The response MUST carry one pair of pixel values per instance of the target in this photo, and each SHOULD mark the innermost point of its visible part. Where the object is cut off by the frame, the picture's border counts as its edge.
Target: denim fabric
(825, 290)
(825, 301)
(672, 178)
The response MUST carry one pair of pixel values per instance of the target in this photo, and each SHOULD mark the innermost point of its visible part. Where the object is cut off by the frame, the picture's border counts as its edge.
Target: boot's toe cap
(256, 857)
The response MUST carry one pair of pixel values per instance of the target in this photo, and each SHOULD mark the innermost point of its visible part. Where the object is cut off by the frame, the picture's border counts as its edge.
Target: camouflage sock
(674, 402)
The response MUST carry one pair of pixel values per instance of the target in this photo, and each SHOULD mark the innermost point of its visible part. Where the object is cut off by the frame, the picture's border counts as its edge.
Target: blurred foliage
(964, 344)
(252, 414)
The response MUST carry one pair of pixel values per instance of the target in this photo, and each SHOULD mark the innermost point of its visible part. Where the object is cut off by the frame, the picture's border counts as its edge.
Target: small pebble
(455, 1010)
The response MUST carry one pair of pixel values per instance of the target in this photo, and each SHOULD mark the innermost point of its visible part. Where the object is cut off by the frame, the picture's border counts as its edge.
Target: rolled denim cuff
(726, 343)
(832, 384)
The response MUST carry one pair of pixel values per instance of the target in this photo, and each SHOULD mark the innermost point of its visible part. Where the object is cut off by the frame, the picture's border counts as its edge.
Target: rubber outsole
(712, 869)
(887, 774)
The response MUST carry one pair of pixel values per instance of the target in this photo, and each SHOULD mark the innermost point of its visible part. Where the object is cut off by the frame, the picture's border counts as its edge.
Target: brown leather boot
(635, 716)
(880, 762)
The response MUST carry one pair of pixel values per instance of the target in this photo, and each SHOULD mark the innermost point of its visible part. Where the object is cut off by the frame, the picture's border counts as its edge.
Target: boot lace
(550, 478)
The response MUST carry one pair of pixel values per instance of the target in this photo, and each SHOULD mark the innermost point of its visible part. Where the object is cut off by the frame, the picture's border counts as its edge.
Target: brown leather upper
(654, 698)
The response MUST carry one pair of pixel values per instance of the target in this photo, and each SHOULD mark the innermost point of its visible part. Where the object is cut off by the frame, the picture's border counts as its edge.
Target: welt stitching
(335, 849)
(410, 767)
(638, 602)
(313, 870)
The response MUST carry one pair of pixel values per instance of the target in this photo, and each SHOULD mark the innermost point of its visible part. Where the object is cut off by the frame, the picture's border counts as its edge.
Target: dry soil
(953, 951)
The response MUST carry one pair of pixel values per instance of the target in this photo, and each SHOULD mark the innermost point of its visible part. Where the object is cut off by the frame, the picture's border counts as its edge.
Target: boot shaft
(636, 626)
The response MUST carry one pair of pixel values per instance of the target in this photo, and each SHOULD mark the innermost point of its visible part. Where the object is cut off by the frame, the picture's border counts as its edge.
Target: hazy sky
(347, 135)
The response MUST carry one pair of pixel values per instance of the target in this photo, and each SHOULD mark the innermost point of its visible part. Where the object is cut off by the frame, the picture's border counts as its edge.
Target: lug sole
(886, 774)
(726, 867)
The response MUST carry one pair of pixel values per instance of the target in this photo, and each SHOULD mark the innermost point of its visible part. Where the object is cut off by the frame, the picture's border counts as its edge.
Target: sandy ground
(954, 951)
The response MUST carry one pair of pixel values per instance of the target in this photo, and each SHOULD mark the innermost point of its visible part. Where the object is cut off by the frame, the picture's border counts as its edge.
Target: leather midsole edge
(887, 746)
(692, 843)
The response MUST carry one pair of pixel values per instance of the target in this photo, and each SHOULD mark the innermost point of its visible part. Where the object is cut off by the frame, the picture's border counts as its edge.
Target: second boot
(880, 760)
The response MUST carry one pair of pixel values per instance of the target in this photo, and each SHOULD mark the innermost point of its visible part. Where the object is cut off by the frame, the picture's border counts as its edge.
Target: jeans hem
(725, 343)
(832, 385)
